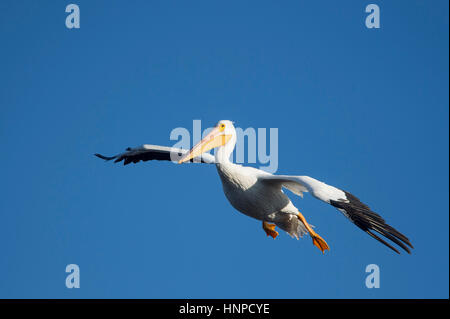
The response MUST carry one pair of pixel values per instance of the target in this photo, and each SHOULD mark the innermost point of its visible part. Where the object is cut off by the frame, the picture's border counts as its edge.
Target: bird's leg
(318, 241)
(270, 229)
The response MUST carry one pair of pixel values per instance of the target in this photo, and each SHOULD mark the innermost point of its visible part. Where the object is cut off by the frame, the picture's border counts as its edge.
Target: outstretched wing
(352, 208)
(148, 152)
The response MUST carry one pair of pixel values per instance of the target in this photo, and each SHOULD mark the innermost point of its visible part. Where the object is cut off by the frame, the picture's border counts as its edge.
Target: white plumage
(259, 194)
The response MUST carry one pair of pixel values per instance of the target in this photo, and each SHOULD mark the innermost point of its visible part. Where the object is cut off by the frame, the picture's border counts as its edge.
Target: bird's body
(248, 194)
(244, 192)
(260, 195)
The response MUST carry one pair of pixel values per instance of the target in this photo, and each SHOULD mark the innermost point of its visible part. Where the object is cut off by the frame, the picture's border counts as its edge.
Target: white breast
(248, 195)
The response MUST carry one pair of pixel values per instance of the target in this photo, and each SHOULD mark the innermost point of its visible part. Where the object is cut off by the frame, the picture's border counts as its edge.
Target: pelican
(260, 195)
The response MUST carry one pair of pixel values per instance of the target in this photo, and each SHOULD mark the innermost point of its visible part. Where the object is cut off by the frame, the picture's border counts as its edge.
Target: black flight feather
(363, 217)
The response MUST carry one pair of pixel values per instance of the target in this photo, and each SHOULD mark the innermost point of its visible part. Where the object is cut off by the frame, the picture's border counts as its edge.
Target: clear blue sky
(364, 110)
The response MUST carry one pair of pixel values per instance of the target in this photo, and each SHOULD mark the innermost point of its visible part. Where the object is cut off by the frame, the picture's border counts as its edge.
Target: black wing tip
(106, 158)
(363, 217)
(384, 242)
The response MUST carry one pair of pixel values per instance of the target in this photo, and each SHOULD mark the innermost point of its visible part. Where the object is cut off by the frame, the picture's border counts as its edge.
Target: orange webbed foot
(320, 243)
(270, 230)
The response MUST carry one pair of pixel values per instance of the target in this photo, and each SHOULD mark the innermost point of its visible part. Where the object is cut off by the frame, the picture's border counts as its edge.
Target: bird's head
(220, 135)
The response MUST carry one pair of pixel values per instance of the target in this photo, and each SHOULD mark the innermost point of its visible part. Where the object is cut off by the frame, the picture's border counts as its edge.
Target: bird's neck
(223, 153)
(223, 156)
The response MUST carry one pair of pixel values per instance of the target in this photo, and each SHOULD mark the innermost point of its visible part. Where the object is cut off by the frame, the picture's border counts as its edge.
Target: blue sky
(364, 110)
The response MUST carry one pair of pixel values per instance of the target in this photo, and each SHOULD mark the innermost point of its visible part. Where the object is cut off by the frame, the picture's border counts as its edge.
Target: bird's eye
(222, 126)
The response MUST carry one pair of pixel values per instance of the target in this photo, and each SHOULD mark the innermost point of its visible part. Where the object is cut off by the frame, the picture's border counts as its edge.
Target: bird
(260, 194)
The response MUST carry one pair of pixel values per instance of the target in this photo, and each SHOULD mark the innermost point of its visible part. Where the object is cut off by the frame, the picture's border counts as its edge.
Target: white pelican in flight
(260, 195)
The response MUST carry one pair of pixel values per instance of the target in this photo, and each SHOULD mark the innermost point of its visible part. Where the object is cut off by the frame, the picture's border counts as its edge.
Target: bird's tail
(292, 225)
